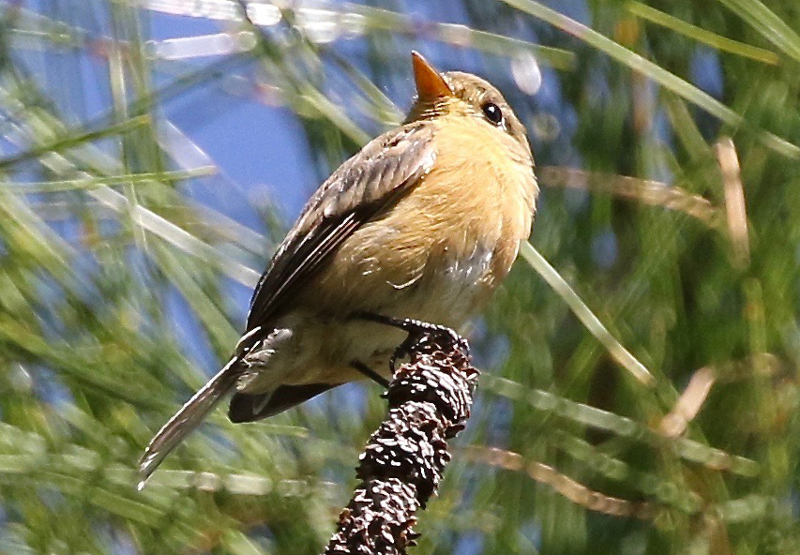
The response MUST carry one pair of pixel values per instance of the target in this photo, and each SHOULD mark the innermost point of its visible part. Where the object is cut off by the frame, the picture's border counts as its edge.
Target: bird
(423, 223)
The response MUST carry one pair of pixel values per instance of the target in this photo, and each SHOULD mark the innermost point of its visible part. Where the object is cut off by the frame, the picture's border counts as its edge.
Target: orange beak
(430, 84)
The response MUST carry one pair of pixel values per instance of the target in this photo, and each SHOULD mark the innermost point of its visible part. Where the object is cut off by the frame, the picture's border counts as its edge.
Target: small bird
(423, 223)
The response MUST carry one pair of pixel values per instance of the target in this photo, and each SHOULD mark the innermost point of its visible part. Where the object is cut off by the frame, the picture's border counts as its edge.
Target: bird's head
(455, 93)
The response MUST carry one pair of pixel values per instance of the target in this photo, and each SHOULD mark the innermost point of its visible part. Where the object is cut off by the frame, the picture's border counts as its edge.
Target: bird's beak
(431, 86)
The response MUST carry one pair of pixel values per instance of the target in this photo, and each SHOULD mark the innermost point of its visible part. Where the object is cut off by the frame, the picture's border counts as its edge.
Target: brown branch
(646, 191)
(688, 405)
(429, 402)
(563, 484)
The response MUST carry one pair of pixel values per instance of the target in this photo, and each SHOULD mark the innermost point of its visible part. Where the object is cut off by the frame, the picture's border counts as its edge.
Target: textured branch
(401, 467)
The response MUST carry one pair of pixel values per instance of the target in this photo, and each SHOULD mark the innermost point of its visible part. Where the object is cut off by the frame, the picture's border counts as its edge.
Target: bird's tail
(187, 419)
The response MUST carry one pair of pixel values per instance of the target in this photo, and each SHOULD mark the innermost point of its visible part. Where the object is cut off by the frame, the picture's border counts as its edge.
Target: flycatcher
(424, 223)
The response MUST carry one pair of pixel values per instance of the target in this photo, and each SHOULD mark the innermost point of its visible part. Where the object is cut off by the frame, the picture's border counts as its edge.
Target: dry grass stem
(735, 207)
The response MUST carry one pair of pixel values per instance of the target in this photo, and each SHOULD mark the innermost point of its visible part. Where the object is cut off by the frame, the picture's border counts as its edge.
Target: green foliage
(105, 238)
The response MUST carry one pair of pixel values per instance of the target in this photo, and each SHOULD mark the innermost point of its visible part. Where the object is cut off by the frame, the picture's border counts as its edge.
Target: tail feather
(249, 408)
(189, 417)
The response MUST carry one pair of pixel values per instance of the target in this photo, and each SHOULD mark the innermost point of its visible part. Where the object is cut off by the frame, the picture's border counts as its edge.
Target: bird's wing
(364, 186)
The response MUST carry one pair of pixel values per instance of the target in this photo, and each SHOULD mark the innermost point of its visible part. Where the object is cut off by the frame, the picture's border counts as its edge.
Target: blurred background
(153, 152)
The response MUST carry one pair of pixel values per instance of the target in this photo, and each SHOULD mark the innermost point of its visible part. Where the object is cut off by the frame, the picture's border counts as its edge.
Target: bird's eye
(492, 112)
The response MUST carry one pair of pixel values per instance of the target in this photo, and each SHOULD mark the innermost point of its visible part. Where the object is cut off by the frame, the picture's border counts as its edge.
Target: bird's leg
(416, 329)
(370, 373)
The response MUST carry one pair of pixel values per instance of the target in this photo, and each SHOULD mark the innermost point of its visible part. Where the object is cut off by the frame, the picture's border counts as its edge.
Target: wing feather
(364, 186)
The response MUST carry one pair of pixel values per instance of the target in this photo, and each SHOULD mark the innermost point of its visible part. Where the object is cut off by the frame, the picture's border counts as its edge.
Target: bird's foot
(370, 373)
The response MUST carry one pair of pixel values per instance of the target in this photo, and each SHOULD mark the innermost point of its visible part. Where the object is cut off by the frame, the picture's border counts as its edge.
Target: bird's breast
(444, 247)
